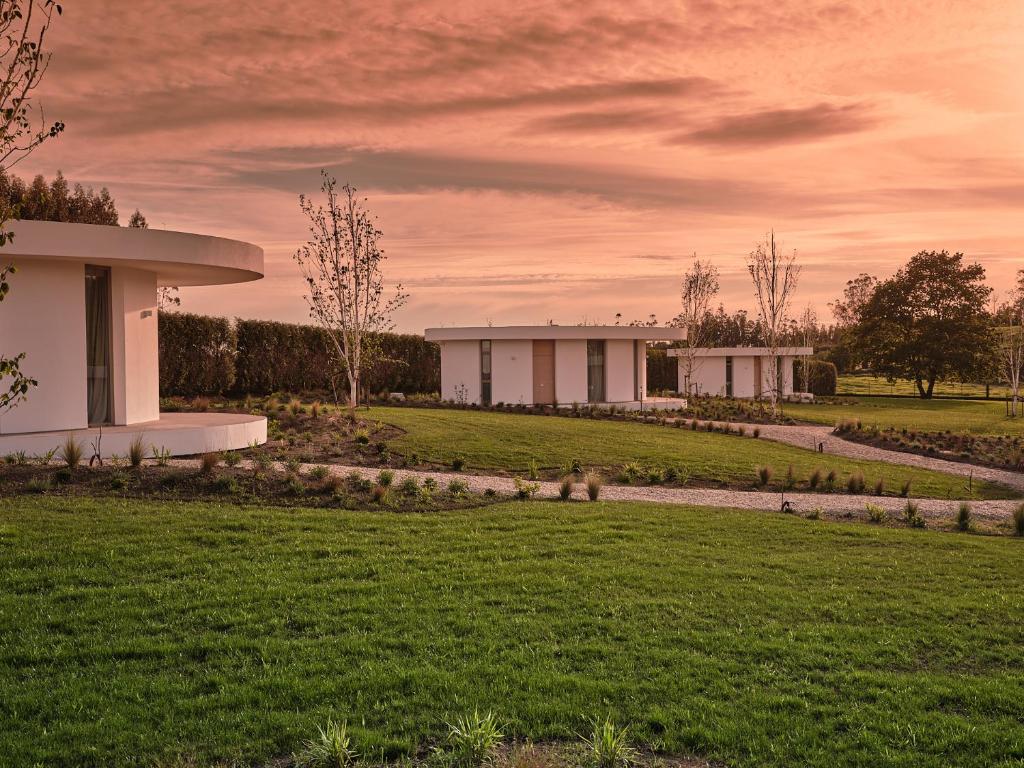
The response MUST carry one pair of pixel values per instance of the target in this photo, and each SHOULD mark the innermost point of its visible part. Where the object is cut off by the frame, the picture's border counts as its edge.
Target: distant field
(855, 384)
(504, 441)
(982, 417)
(163, 634)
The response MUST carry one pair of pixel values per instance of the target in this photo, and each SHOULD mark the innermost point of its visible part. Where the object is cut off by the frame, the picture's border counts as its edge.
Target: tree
(341, 264)
(847, 315)
(928, 322)
(166, 295)
(775, 277)
(23, 62)
(700, 286)
(1009, 348)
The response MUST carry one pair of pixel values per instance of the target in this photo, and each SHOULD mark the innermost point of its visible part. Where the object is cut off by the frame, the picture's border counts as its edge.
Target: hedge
(822, 378)
(260, 356)
(197, 354)
(662, 371)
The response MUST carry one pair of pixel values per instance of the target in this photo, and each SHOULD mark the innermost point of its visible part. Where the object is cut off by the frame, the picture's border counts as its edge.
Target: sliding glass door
(97, 346)
(595, 370)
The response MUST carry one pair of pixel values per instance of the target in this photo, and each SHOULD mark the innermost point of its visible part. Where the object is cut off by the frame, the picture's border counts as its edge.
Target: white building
(737, 371)
(83, 309)
(549, 364)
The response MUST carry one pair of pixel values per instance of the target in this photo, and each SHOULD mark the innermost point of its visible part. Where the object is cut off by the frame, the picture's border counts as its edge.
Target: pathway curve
(802, 503)
(810, 436)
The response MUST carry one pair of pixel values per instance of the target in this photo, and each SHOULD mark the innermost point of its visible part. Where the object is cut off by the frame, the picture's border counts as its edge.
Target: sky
(555, 161)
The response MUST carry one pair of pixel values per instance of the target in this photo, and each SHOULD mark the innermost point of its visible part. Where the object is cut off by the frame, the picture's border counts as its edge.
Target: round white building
(83, 309)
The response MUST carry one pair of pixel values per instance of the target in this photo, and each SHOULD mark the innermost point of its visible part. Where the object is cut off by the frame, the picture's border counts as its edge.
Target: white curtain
(97, 343)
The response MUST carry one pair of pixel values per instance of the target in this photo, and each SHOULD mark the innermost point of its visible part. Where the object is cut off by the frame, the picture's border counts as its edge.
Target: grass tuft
(332, 748)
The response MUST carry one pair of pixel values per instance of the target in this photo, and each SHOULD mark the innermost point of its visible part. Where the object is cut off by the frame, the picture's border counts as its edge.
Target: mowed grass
(136, 633)
(504, 441)
(975, 416)
(859, 384)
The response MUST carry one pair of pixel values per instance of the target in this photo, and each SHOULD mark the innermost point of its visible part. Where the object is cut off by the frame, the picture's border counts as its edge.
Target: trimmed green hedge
(197, 354)
(662, 371)
(822, 379)
(260, 356)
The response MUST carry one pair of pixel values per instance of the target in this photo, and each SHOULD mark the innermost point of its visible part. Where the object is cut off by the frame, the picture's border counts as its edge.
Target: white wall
(460, 367)
(44, 316)
(744, 374)
(136, 369)
(708, 376)
(512, 372)
(571, 371)
(618, 371)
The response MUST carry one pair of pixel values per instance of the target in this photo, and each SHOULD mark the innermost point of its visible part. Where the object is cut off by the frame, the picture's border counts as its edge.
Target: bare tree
(23, 62)
(1010, 343)
(700, 286)
(808, 327)
(775, 277)
(342, 267)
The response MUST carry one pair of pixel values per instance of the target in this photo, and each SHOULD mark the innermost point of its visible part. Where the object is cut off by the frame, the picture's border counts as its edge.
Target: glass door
(595, 370)
(97, 345)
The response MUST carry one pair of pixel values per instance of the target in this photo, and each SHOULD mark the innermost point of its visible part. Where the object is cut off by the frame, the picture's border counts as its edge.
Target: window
(595, 370)
(485, 372)
(728, 376)
(99, 387)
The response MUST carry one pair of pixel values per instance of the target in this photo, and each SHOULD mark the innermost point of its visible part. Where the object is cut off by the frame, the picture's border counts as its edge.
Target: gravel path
(834, 504)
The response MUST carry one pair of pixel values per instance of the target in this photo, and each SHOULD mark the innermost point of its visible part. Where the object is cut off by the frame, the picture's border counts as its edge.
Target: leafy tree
(341, 263)
(928, 322)
(23, 61)
(56, 201)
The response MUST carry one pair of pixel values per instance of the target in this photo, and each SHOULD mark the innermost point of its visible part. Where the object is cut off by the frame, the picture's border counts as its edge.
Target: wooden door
(543, 371)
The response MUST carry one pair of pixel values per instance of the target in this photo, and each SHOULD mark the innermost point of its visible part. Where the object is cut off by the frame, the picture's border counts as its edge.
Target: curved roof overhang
(524, 332)
(177, 258)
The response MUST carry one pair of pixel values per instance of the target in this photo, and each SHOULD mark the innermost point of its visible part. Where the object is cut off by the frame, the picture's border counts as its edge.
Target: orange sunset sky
(534, 161)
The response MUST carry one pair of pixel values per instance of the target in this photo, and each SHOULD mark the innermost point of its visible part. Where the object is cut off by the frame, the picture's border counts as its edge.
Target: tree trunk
(920, 387)
(931, 387)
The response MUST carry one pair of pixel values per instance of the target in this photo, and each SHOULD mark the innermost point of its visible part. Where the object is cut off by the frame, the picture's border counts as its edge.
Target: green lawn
(488, 440)
(977, 416)
(139, 633)
(860, 384)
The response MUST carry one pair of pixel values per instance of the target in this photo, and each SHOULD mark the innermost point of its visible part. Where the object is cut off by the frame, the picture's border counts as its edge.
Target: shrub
(136, 452)
(385, 478)
(565, 487)
(295, 407)
(362, 436)
(319, 473)
(533, 469)
(655, 477)
(196, 354)
(525, 490)
(608, 746)
(208, 462)
(815, 514)
(1018, 520)
(815, 479)
(855, 482)
(409, 487)
(912, 515)
(880, 487)
(594, 484)
(232, 458)
(830, 479)
(764, 475)
(70, 452)
(293, 465)
(227, 484)
(630, 472)
(876, 514)
(473, 739)
(756, 432)
(161, 456)
(379, 494)
(45, 458)
(790, 477)
(905, 489)
(37, 485)
(118, 480)
(963, 517)
(429, 484)
(458, 463)
(822, 376)
(314, 409)
(332, 748)
(458, 488)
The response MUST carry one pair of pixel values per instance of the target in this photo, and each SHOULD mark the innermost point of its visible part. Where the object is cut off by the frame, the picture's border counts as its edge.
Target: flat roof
(742, 351)
(525, 332)
(177, 258)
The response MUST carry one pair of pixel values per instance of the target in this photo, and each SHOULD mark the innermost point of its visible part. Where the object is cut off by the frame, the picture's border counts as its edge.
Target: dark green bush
(197, 354)
(822, 376)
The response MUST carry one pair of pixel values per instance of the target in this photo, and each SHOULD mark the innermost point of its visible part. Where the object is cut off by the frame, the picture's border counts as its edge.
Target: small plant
(608, 746)
(38, 485)
(790, 477)
(565, 487)
(458, 463)
(227, 484)
(963, 517)
(594, 484)
(70, 452)
(409, 487)
(876, 514)
(815, 479)
(136, 452)
(764, 475)
(379, 494)
(880, 487)
(815, 514)
(757, 432)
(292, 465)
(905, 489)
(631, 471)
(319, 473)
(429, 485)
(44, 459)
(855, 482)
(362, 436)
(385, 478)
(830, 479)
(490, 493)
(525, 490)
(533, 469)
(118, 480)
(912, 515)
(232, 458)
(314, 409)
(295, 407)
(332, 748)
(1018, 520)
(473, 739)
(208, 462)
(458, 488)
(161, 456)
